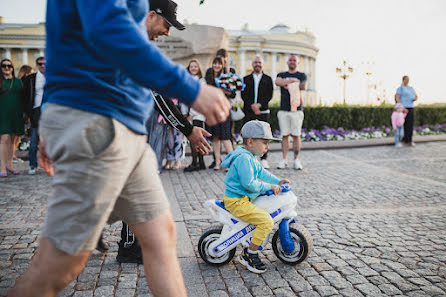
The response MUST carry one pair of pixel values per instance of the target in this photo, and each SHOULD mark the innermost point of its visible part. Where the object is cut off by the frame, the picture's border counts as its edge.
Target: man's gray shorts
(103, 172)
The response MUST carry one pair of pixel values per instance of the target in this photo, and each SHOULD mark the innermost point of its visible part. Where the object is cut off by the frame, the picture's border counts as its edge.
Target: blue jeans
(33, 146)
(398, 134)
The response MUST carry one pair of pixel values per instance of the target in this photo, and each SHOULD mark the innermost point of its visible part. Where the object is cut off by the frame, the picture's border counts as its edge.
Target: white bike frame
(236, 231)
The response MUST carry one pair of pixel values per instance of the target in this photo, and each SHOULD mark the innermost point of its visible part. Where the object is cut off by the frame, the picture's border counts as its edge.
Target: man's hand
(284, 181)
(213, 104)
(198, 142)
(43, 159)
(276, 189)
(255, 108)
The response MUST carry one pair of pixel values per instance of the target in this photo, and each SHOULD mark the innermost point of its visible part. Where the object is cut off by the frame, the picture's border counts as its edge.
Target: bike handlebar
(285, 188)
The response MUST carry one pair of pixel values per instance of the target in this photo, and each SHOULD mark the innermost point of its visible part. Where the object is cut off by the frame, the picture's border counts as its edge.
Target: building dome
(279, 29)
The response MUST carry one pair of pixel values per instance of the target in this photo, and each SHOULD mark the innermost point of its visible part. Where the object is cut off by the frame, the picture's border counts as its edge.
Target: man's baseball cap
(257, 129)
(168, 10)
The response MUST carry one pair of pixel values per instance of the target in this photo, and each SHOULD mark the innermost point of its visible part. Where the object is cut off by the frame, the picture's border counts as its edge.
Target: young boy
(246, 179)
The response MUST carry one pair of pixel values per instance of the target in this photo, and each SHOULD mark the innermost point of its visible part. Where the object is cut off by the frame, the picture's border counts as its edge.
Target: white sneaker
(264, 163)
(298, 165)
(32, 171)
(282, 164)
(399, 144)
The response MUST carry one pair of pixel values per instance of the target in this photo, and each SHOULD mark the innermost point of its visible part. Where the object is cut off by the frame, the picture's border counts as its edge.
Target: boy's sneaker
(298, 165)
(399, 144)
(282, 164)
(32, 171)
(251, 261)
(264, 164)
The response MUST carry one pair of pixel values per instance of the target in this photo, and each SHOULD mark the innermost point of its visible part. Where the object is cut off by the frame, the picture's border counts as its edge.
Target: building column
(273, 65)
(8, 53)
(24, 56)
(313, 74)
(242, 63)
(41, 53)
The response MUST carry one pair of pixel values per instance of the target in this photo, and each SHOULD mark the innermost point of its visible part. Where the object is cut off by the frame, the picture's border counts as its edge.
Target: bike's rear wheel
(209, 236)
(303, 245)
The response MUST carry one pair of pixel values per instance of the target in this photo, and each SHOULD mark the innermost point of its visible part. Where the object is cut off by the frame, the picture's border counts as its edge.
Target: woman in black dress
(221, 133)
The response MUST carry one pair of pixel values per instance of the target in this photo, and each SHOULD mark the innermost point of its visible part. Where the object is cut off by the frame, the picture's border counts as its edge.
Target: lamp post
(344, 72)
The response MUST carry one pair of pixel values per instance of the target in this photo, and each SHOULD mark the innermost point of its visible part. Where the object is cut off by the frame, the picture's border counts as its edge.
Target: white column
(313, 74)
(242, 63)
(8, 53)
(24, 56)
(285, 62)
(273, 65)
(41, 53)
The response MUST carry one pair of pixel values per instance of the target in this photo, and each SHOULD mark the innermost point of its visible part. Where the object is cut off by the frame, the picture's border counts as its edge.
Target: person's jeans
(398, 134)
(33, 147)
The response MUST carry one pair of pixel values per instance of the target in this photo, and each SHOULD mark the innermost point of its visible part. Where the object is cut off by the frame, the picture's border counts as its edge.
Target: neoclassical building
(275, 46)
(22, 43)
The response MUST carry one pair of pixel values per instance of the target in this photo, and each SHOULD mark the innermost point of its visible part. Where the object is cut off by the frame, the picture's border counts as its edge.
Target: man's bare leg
(296, 146)
(285, 146)
(49, 272)
(157, 238)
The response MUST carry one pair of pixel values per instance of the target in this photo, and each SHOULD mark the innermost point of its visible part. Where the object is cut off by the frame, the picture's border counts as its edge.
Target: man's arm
(105, 22)
(281, 82)
(177, 120)
(268, 90)
(172, 114)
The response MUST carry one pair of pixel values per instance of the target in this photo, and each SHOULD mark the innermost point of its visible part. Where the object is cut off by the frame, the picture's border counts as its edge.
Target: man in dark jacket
(256, 96)
(33, 93)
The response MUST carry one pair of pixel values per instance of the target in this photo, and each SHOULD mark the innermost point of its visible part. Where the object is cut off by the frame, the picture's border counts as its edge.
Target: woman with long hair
(11, 116)
(221, 133)
(198, 120)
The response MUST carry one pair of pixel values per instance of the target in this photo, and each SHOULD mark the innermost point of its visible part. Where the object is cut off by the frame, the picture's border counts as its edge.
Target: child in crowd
(244, 182)
(398, 116)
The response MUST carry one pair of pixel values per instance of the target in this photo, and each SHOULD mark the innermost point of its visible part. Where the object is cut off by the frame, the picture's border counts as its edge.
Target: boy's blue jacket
(100, 59)
(246, 176)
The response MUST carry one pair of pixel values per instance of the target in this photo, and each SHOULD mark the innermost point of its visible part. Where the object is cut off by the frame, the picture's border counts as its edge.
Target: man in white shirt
(33, 92)
(256, 96)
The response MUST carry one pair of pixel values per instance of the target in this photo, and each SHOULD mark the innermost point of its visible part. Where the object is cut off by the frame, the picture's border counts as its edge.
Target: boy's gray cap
(257, 129)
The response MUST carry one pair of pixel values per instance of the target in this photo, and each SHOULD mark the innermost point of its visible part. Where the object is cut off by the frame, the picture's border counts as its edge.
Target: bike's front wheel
(303, 245)
(209, 236)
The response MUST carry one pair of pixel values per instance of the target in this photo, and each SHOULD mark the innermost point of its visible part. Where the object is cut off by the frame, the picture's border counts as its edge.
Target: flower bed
(332, 134)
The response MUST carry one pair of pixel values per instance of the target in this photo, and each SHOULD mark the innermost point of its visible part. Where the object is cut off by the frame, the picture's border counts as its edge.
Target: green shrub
(358, 117)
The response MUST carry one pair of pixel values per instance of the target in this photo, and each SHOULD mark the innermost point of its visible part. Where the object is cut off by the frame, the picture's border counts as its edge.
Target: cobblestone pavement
(377, 217)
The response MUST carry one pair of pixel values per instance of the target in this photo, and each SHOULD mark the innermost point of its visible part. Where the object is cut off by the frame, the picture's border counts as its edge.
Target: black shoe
(212, 165)
(191, 168)
(251, 261)
(129, 250)
(129, 254)
(102, 246)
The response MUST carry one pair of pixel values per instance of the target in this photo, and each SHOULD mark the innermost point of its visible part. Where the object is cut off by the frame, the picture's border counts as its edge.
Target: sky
(389, 38)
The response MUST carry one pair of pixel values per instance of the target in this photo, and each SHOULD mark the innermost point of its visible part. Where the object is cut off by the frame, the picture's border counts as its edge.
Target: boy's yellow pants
(248, 212)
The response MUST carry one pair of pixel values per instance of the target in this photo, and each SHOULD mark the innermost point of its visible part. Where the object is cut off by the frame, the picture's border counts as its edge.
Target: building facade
(275, 46)
(22, 43)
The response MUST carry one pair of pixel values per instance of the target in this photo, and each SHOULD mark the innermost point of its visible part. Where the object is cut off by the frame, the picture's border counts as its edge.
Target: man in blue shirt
(406, 95)
(100, 66)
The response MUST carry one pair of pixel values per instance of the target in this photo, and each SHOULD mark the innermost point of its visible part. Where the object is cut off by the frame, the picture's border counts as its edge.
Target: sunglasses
(41, 63)
(7, 66)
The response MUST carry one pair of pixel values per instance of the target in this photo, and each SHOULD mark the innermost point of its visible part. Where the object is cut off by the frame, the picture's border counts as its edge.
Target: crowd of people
(93, 105)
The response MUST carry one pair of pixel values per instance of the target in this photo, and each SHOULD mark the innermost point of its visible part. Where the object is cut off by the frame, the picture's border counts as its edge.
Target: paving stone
(326, 290)
(373, 239)
(389, 289)
(368, 289)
